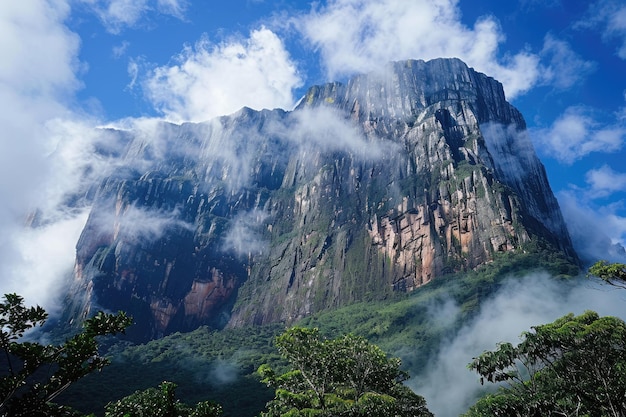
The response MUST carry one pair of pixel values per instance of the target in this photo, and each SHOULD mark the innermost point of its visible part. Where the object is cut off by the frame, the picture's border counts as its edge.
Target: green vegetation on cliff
(220, 365)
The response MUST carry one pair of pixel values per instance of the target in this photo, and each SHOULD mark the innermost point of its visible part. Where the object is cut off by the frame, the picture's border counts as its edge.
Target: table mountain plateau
(381, 184)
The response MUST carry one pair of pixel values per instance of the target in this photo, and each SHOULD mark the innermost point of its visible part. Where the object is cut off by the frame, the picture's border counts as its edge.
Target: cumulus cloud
(38, 77)
(211, 79)
(576, 134)
(43, 260)
(610, 17)
(521, 303)
(388, 30)
(117, 15)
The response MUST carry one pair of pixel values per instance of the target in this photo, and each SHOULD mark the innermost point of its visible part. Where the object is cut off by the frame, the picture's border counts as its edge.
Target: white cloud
(44, 258)
(42, 152)
(211, 80)
(605, 181)
(117, 15)
(38, 52)
(576, 134)
(388, 30)
(610, 17)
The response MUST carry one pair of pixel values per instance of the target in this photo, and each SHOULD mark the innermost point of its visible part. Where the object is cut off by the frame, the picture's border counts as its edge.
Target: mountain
(365, 189)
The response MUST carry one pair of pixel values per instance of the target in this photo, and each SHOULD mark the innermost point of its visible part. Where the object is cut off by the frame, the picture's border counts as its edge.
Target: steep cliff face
(379, 185)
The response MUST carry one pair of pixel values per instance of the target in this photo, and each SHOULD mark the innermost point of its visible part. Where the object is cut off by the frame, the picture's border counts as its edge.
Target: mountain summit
(379, 185)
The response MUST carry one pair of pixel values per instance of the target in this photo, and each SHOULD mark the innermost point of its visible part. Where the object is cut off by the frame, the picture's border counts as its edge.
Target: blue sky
(70, 65)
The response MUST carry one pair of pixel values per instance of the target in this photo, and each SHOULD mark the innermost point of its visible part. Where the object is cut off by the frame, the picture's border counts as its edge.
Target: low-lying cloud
(244, 236)
(450, 388)
(325, 129)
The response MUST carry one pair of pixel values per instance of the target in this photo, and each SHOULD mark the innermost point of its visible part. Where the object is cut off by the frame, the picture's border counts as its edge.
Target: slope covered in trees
(573, 366)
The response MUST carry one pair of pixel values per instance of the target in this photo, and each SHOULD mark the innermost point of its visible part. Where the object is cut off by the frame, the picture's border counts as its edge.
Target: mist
(244, 235)
(523, 301)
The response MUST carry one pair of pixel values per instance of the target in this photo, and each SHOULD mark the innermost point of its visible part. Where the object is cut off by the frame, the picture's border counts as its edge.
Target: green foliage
(35, 373)
(160, 402)
(575, 366)
(611, 273)
(346, 376)
(403, 325)
(204, 364)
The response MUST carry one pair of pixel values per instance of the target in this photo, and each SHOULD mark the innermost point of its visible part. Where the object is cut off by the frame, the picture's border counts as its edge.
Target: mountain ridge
(378, 185)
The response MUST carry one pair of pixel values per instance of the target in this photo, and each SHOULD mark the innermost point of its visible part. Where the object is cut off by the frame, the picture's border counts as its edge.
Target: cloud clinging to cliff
(38, 80)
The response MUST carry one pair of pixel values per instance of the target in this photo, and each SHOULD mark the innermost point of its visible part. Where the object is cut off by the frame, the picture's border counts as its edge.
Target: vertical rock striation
(378, 185)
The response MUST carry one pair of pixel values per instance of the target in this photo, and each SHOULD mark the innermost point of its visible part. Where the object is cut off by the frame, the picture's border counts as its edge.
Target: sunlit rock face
(381, 184)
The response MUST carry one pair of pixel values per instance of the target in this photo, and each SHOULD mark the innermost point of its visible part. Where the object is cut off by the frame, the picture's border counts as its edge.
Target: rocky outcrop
(382, 184)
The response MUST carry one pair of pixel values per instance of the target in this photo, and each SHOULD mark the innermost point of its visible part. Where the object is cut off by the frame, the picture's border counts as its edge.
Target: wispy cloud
(211, 79)
(576, 134)
(141, 224)
(609, 16)
(324, 129)
(604, 181)
(120, 50)
(176, 8)
(117, 15)
(244, 235)
(564, 67)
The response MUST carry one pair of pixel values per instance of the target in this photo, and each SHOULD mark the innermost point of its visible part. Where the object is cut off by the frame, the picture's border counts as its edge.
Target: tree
(35, 374)
(611, 273)
(346, 376)
(575, 366)
(160, 402)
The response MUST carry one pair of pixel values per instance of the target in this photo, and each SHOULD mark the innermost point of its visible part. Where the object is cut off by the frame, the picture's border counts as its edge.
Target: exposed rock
(382, 184)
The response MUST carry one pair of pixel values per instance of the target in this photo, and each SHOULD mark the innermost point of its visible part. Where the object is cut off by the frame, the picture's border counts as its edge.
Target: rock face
(379, 185)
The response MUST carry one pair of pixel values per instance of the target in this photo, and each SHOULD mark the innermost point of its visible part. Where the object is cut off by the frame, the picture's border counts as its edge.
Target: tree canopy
(34, 374)
(575, 366)
(346, 376)
(160, 402)
(611, 273)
